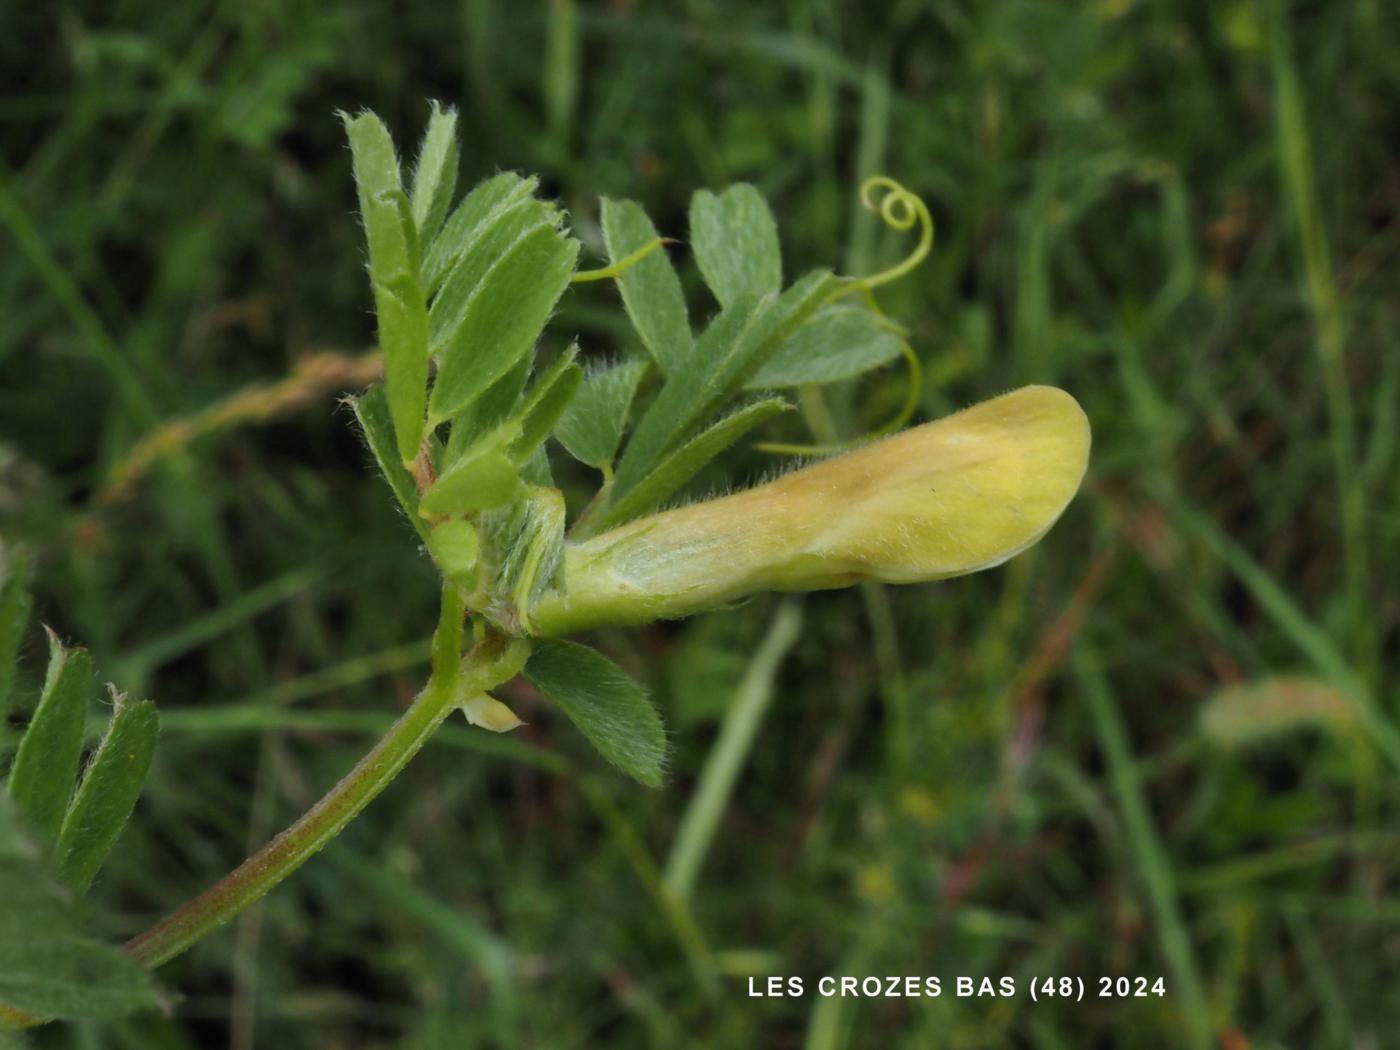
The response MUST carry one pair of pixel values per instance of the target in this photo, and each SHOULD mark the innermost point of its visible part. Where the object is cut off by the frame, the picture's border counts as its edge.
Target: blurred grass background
(1184, 213)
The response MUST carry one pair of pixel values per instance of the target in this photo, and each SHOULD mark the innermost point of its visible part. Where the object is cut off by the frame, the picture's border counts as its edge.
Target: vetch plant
(463, 426)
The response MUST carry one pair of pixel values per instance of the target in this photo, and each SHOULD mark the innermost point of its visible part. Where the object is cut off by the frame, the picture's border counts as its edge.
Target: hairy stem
(492, 662)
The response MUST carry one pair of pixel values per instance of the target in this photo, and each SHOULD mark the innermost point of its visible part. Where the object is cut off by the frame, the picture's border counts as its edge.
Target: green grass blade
(561, 69)
(735, 241)
(46, 763)
(1153, 861)
(651, 291)
(15, 604)
(455, 928)
(108, 792)
(730, 751)
(1279, 606)
(609, 708)
(1294, 148)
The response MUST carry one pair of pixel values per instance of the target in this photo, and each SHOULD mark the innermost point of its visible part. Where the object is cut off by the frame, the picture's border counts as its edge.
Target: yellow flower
(960, 494)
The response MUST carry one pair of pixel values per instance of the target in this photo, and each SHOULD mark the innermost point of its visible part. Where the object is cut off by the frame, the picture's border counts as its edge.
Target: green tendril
(899, 209)
(622, 265)
(906, 413)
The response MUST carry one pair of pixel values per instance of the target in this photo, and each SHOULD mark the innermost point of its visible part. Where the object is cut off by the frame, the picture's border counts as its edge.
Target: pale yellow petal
(960, 494)
(489, 713)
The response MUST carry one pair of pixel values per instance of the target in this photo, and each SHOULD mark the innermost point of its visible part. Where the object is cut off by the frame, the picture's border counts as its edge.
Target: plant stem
(492, 662)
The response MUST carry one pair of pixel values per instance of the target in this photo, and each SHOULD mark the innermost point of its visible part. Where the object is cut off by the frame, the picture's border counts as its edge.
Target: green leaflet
(15, 603)
(377, 182)
(684, 463)
(108, 792)
(478, 208)
(435, 175)
(399, 301)
(46, 763)
(591, 428)
(372, 411)
(535, 470)
(403, 336)
(488, 411)
(737, 343)
(491, 242)
(529, 419)
(455, 546)
(48, 966)
(684, 397)
(503, 319)
(839, 342)
(547, 400)
(607, 706)
(483, 477)
(735, 241)
(651, 291)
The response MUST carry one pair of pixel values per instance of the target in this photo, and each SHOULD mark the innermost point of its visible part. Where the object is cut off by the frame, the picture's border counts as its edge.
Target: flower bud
(486, 712)
(960, 494)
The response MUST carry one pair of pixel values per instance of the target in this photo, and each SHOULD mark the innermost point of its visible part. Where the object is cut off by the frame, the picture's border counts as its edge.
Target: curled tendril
(899, 209)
